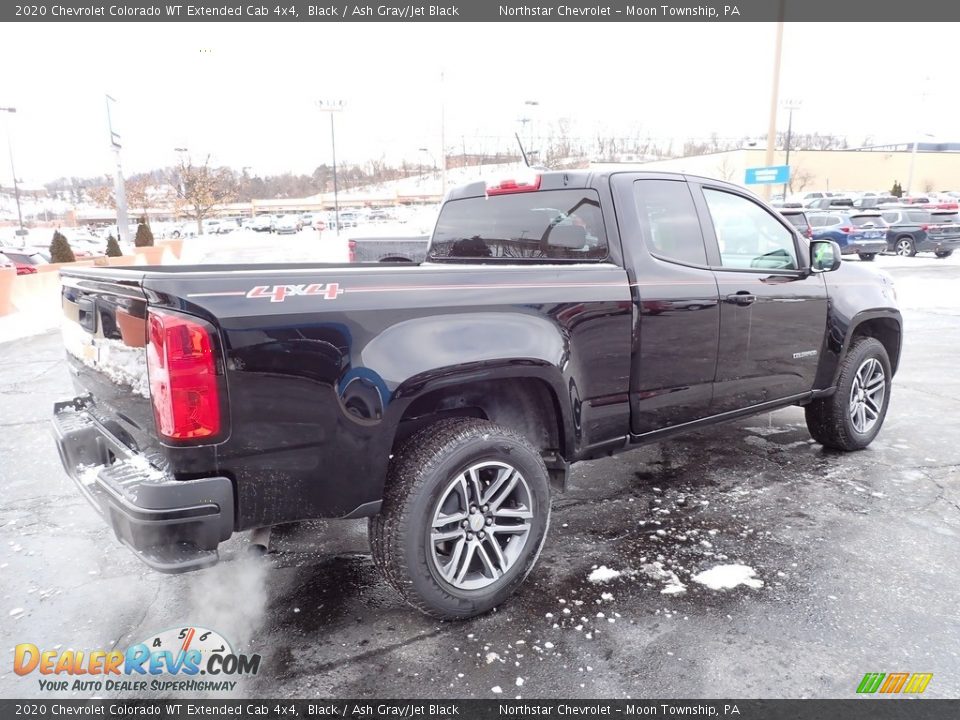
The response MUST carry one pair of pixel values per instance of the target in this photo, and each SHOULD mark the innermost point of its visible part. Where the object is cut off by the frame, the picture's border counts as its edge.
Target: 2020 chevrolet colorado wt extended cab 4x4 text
(569, 317)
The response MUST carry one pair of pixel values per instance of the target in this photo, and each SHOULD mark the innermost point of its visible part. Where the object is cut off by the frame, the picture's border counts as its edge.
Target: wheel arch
(526, 397)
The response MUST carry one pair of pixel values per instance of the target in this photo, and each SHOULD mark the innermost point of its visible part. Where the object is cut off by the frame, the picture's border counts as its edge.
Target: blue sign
(773, 175)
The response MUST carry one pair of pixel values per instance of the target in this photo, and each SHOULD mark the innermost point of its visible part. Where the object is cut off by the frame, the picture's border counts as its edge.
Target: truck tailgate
(105, 333)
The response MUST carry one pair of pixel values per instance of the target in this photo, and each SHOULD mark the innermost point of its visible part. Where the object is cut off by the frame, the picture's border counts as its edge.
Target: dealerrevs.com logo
(190, 659)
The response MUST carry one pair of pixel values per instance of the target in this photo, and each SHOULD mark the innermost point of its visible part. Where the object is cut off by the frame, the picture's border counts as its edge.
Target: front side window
(545, 224)
(669, 221)
(748, 236)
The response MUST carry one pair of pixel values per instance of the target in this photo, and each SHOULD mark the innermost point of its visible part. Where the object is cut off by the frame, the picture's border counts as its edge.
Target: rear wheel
(944, 253)
(464, 516)
(904, 246)
(851, 418)
(867, 257)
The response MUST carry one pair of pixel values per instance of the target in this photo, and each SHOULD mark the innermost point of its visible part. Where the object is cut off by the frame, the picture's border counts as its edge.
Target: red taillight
(809, 233)
(352, 250)
(924, 227)
(512, 186)
(846, 229)
(183, 377)
(26, 269)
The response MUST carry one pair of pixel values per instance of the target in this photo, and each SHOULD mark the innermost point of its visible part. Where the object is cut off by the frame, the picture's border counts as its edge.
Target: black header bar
(483, 11)
(873, 708)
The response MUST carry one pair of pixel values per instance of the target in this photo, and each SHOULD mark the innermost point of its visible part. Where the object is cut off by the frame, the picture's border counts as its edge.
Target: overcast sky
(245, 93)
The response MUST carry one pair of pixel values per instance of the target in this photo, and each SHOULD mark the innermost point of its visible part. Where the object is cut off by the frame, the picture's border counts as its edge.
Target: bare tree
(725, 170)
(198, 189)
(138, 196)
(800, 177)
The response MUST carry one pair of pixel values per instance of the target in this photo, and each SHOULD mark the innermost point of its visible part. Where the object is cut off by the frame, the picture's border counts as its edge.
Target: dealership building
(936, 167)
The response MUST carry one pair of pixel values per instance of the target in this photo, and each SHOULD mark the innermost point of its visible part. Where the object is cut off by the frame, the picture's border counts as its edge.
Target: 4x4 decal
(279, 293)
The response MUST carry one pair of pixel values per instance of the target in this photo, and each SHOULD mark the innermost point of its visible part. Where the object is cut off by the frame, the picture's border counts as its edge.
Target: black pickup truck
(571, 316)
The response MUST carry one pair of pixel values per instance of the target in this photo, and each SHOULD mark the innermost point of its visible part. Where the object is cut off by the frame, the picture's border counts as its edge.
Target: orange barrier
(51, 267)
(34, 290)
(7, 277)
(175, 246)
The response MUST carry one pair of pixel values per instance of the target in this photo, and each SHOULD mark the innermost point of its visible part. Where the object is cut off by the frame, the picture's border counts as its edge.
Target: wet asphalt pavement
(858, 555)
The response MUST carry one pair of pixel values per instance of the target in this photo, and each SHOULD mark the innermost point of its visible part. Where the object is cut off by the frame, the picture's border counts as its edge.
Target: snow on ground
(725, 577)
(603, 574)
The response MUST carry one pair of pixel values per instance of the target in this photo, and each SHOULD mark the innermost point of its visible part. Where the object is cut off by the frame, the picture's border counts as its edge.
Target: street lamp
(333, 107)
(789, 106)
(13, 171)
(533, 106)
(123, 223)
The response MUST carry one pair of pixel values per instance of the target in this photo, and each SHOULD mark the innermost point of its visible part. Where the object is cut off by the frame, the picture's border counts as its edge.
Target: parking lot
(854, 557)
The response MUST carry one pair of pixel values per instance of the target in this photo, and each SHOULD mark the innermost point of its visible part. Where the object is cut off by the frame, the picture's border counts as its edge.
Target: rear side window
(669, 221)
(546, 224)
(798, 221)
(918, 216)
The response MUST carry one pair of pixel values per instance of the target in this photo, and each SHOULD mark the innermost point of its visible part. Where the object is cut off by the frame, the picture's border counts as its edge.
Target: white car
(288, 224)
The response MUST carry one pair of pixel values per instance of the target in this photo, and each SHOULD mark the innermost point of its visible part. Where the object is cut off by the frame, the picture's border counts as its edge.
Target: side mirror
(824, 256)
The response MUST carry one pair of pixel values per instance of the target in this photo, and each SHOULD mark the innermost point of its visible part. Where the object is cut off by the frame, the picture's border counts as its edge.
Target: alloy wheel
(866, 395)
(480, 525)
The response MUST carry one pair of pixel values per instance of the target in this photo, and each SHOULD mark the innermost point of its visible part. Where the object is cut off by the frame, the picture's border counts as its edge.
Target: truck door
(678, 320)
(773, 313)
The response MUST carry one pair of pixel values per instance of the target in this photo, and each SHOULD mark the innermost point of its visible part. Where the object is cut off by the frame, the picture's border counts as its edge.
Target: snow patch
(725, 577)
(603, 574)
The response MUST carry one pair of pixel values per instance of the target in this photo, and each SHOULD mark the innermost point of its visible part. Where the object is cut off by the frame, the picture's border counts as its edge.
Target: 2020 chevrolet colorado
(573, 316)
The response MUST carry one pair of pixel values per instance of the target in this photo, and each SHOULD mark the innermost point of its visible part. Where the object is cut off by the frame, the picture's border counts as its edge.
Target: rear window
(545, 224)
(952, 218)
(867, 221)
(798, 220)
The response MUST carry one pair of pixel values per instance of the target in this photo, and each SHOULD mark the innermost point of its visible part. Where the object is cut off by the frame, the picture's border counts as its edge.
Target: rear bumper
(939, 244)
(172, 525)
(864, 247)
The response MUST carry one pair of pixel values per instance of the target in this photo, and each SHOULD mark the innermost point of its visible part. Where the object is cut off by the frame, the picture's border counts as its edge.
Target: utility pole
(443, 140)
(13, 170)
(123, 223)
(332, 107)
(790, 105)
(774, 93)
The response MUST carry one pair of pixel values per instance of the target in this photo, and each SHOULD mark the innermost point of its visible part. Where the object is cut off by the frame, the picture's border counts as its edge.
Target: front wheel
(465, 513)
(851, 418)
(944, 253)
(867, 257)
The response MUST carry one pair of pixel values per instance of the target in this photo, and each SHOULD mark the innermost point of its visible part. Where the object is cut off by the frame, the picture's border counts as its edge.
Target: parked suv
(828, 203)
(798, 218)
(912, 230)
(860, 233)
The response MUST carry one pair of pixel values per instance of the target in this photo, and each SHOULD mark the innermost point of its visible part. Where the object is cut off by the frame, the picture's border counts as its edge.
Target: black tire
(904, 246)
(419, 475)
(867, 257)
(828, 419)
(944, 253)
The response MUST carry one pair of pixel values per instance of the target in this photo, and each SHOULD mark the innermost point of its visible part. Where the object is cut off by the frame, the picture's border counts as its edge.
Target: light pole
(333, 107)
(790, 106)
(13, 171)
(533, 105)
(123, 223)
(181, 153)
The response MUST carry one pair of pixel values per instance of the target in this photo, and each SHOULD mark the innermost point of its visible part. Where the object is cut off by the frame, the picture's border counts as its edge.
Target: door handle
(742, 298)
